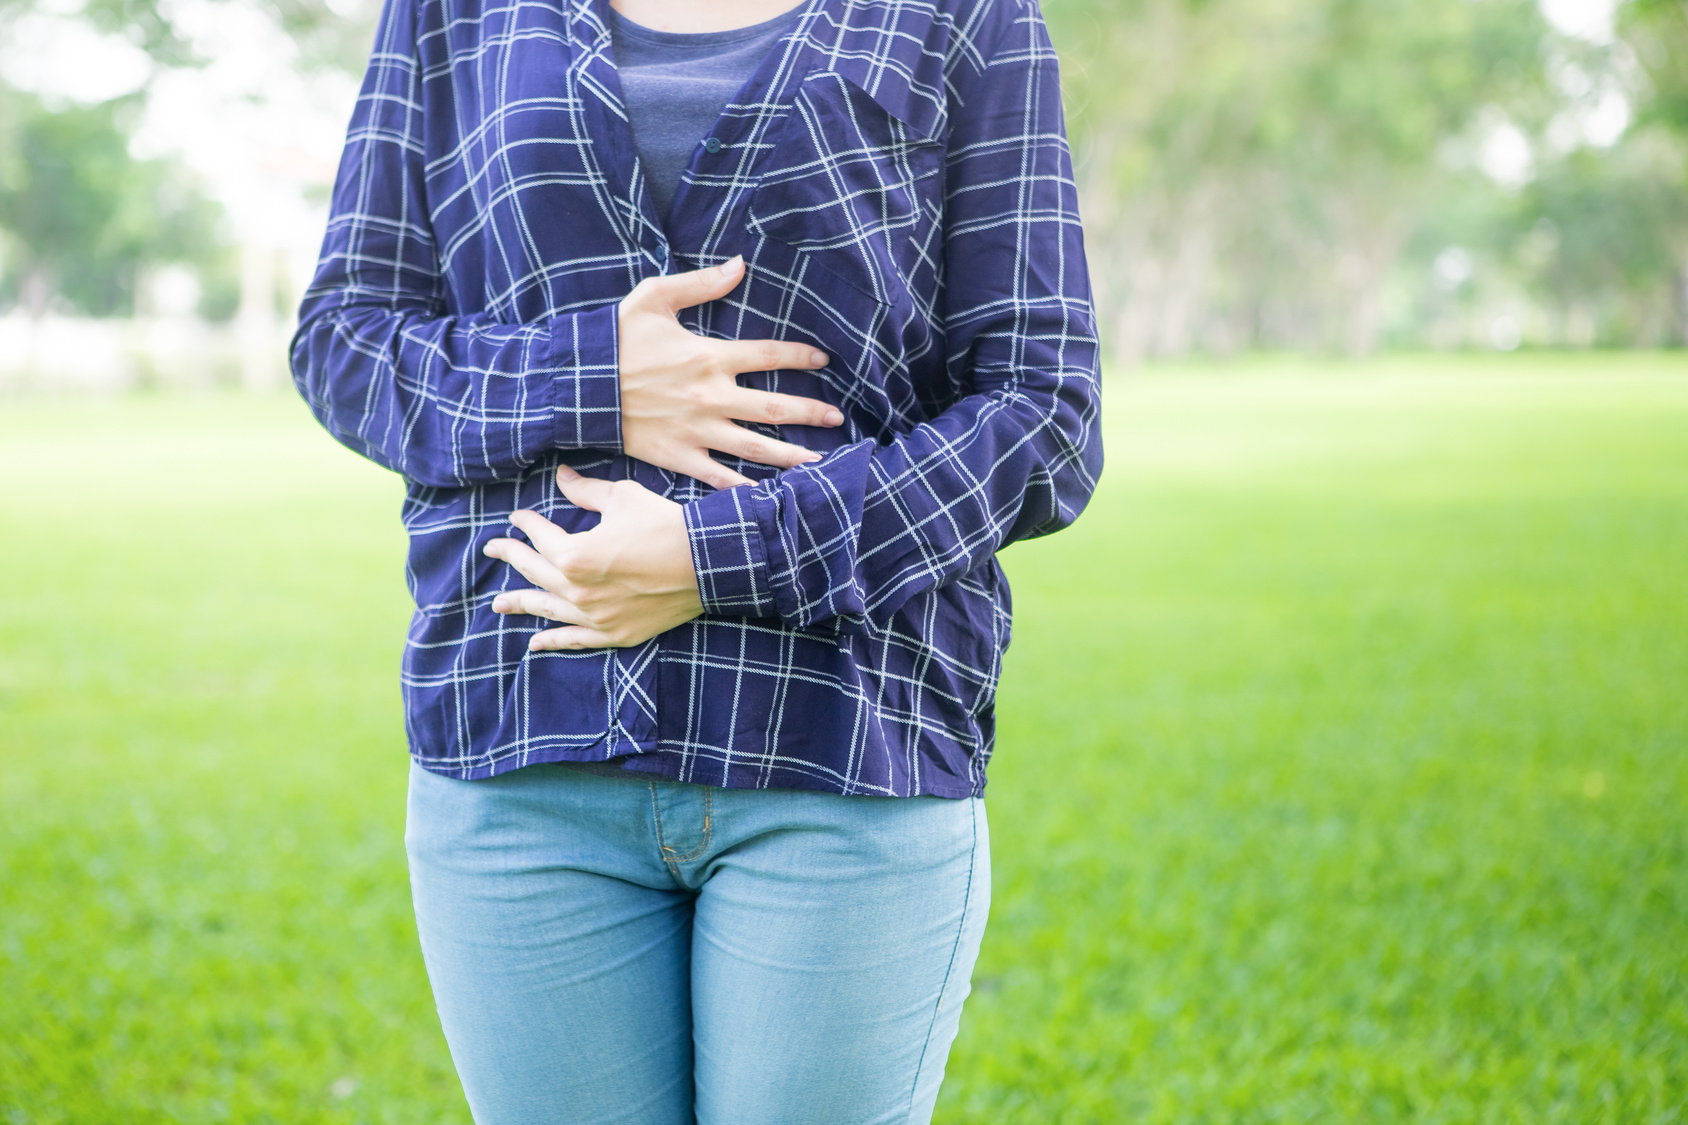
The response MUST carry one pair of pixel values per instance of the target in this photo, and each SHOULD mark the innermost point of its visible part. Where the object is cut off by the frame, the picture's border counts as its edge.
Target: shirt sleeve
(872, 525)
(447, 400)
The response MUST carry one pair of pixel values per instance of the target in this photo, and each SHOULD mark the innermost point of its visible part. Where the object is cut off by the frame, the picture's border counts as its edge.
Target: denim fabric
(646, 952)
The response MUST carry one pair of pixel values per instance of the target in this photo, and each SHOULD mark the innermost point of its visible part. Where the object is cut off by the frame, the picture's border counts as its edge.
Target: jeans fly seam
(656, 820)
(960, 932)
(670, 857)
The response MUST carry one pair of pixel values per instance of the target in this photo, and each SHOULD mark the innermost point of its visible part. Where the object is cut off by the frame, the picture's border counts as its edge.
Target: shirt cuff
(585, 354)
(729, 554)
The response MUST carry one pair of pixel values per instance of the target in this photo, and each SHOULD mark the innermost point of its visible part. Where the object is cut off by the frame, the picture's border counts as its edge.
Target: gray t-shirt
(676, 85)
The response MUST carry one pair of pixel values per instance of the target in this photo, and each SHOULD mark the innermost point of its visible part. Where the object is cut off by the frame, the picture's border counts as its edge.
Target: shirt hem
(650, 761)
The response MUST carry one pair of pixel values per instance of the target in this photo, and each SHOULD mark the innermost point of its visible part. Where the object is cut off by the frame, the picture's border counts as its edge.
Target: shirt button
(712, 146)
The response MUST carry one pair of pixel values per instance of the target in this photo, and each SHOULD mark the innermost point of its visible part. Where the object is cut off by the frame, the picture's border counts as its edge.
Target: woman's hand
(679, 394)
(622, 582)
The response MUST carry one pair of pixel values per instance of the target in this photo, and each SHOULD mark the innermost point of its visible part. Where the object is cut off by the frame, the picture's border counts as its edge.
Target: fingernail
(498, 605)
(731, 265)
(834, 418)
(818, 358)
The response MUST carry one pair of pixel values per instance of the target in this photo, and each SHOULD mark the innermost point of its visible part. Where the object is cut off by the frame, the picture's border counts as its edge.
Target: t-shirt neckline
(725, 38)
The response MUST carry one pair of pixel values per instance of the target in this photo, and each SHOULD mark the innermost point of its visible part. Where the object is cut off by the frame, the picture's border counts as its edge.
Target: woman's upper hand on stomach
(679, 391)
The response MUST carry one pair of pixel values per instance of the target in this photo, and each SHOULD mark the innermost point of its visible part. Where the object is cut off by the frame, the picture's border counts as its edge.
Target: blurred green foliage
(1657, 31)
(1613, 235)
(82, 221)
(85, 219)
(1328, 175)
(328, 34)
(1286, 172)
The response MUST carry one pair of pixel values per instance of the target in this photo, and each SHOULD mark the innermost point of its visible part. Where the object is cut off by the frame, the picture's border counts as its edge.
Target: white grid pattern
(897, 177)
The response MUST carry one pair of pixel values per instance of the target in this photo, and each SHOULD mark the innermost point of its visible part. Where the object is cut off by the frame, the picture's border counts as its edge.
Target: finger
(539, 603)
(551, 540)
(529, 563)
(678, 291)
(708, 470)
(770, 355)
(782, 410)
(752, 446)
(584, 492)
(573, 637)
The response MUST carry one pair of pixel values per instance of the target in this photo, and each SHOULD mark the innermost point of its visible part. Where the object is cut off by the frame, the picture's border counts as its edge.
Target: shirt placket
(701, 213)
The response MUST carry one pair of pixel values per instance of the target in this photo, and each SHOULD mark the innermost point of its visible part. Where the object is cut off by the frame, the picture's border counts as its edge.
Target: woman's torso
(828, 177)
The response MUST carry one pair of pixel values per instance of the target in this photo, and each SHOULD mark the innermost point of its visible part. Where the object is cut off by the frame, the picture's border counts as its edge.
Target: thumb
(683, 290)
(584, 492)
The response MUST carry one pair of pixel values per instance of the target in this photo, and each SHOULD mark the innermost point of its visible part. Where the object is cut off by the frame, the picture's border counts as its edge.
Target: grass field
(1343, 773)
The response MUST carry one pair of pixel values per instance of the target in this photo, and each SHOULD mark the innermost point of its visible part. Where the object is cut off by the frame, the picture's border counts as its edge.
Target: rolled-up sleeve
(447, 400)
(872, 525)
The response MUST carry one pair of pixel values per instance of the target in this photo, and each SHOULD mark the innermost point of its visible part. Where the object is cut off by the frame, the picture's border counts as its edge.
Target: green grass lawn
(1343, 773)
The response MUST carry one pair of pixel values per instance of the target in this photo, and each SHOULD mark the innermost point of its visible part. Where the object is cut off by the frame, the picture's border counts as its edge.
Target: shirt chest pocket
(854, 190)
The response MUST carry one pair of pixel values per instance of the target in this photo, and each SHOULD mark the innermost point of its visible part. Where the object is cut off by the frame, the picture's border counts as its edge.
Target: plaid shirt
(897, 178)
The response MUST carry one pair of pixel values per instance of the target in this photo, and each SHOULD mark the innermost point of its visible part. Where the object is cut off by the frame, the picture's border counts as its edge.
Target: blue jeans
(617, 949)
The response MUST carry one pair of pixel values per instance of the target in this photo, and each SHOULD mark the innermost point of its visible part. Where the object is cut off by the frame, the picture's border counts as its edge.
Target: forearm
(453, 401)
(448, 396)
(871, 526)
(1017, 455)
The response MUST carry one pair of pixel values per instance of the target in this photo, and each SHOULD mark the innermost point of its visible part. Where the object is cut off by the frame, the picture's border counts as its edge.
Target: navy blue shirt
(897, 178)
(676, 85)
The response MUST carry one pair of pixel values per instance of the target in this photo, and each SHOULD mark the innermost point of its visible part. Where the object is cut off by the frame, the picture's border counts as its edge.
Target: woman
(765, 329)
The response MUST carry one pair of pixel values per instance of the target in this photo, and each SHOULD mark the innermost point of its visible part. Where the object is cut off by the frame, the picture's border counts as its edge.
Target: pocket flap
(848, 176)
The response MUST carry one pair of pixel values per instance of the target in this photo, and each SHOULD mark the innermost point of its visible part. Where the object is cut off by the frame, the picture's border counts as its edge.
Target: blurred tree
(1253, 168)
(1657, 31)
(1255, 173)
(83, 217)
(329, 34)
(1608, 238)
(143, 22)
(80, 221)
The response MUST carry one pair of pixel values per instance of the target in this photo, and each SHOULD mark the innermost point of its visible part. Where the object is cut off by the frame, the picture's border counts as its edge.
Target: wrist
(729, 555)
(582, 351)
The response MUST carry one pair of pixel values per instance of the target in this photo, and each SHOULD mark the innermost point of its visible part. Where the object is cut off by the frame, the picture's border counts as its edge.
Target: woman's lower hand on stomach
(679, 392)
(620, 583)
